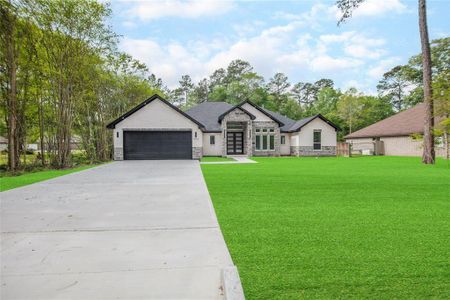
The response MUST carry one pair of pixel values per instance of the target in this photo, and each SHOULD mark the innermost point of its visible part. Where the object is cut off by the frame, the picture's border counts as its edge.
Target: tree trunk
(13, 149)
(446, 146)
(428, 156)
(41, 130)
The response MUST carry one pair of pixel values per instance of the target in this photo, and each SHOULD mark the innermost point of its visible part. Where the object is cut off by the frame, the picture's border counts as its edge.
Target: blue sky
(298, 38)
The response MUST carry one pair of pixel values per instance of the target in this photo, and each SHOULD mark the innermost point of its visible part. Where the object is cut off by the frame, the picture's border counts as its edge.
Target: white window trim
(317, 130)
(268, 134)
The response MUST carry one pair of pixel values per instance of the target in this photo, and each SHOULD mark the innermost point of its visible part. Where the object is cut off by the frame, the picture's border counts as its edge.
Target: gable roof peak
(113, 124)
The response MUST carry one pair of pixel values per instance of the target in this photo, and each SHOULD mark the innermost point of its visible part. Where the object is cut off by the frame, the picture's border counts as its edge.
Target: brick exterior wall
(261, 125)
(309, 151)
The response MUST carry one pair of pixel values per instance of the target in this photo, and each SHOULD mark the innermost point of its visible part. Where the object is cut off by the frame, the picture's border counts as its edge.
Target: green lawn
(215, 159)
(329, 228)
(11, 182)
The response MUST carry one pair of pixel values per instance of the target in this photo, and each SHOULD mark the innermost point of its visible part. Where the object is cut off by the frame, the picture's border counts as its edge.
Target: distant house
(400, 134)
(3, 143)
(155, 129)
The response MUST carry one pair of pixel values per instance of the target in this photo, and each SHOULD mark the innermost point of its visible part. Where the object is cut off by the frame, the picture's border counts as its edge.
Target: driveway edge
(231, 282)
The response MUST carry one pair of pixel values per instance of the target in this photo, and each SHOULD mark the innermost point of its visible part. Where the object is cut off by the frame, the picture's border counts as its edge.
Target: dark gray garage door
(157, 145)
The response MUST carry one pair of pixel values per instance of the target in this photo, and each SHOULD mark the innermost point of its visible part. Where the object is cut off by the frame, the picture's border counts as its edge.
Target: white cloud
(377, 7)
(152, 10)
(356, 45)
(313, 17)
(362, 51)
(290, 48)
(325, 63)
(129, 24)
(377, 71)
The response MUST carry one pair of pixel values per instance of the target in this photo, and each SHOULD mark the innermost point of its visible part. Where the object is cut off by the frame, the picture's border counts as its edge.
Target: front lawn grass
(336, 228)
(11, 182)
(215, 159)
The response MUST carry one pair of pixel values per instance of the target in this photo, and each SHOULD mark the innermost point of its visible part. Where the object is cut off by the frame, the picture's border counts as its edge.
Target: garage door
(157, 145)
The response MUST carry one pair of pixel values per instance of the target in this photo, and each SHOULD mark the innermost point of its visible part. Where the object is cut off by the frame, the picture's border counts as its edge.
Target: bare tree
(428, 156)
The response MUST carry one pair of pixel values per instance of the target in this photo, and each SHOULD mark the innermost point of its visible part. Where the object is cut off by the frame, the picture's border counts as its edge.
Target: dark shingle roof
(283, 119)
(404, 123)
(292, 125)
(208, 114)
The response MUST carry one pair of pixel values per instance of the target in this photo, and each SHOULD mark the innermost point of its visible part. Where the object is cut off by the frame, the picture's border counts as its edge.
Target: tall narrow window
(317, 140)
(117, 134)
(264, 142)
(271, 142)
(283, 139)
(258, 142)
(212, 139)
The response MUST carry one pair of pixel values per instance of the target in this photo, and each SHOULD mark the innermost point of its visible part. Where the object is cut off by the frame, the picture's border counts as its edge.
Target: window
(117, 134)
(212, 139)
(258, 142)
(265, 139)
(317, 139)
(283, 139)
(264, 143)
(195, 134)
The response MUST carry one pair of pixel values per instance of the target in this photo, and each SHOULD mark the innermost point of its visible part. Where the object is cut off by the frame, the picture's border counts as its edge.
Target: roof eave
(233, 108)
(262, 111)
(113, 124)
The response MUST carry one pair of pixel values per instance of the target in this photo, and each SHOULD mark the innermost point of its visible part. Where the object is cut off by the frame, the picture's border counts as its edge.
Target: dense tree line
(62, 78)
(399, 88)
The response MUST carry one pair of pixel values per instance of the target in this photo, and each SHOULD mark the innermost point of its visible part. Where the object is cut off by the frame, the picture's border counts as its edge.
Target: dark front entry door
(157, 144)
(235, 143)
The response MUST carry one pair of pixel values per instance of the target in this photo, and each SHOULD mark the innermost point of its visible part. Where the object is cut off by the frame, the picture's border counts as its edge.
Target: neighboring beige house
(399, 133)
(155, 129)
(3, 143)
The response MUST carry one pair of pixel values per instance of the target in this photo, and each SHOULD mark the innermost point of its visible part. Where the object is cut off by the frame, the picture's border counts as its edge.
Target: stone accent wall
(197, 152)
(309, 151)
(261, 125)
(237, 115)
(118, 153)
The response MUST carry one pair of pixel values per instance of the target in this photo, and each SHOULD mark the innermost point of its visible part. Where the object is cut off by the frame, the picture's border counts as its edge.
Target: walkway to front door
(235, 143)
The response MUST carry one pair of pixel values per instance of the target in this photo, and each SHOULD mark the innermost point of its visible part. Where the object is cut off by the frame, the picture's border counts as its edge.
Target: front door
(235, 143)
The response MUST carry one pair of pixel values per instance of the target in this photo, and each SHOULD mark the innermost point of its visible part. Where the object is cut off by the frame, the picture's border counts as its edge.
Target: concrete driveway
(125, 230)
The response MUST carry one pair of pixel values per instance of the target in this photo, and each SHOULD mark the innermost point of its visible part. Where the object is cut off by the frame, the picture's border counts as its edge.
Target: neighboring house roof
(208, 114)
(404, 123)
(3, 140)
(112, 124)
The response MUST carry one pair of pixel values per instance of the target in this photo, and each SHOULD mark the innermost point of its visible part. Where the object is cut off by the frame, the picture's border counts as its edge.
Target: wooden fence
(343, 149)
